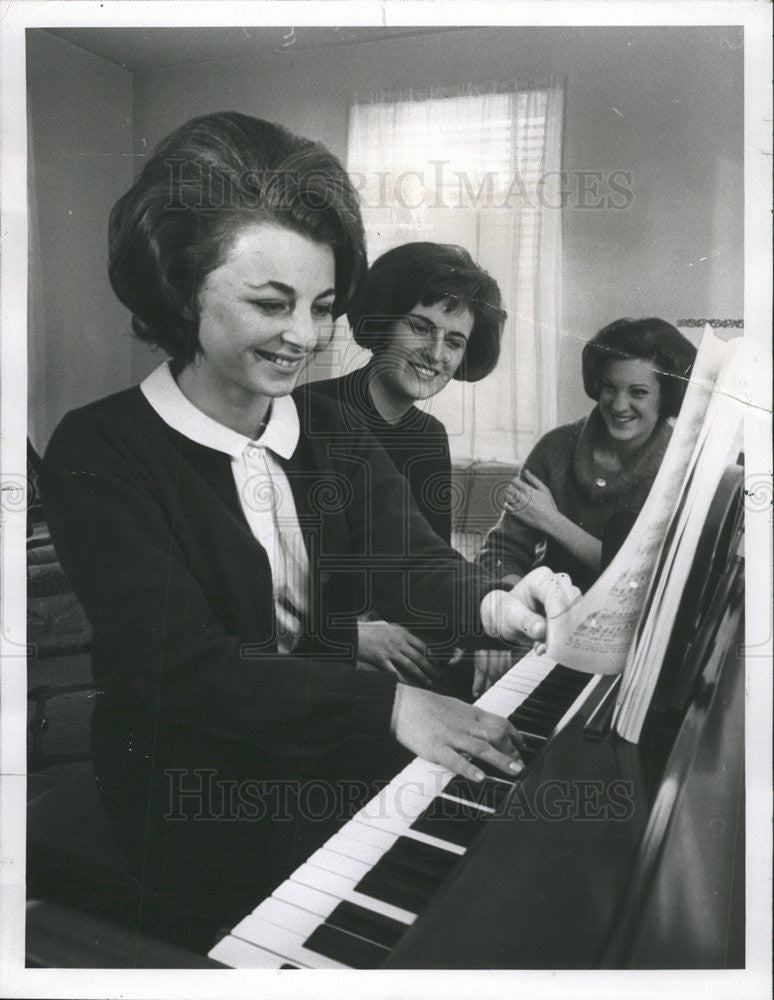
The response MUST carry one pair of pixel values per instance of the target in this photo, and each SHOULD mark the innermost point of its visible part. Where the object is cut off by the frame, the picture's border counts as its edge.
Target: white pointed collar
(175, 409)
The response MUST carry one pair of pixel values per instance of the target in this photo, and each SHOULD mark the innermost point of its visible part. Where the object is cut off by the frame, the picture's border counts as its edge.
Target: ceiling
(143, 49)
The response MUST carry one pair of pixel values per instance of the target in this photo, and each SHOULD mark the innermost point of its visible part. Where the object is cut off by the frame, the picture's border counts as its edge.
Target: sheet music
(718, 443)
(596, 632)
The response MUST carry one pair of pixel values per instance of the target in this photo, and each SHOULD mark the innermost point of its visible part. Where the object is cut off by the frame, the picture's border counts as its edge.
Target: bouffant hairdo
(653, 340)
(202, 184)
(423, 274)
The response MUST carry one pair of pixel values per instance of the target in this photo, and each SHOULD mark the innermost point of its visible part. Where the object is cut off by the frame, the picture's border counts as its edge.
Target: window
(479, 168)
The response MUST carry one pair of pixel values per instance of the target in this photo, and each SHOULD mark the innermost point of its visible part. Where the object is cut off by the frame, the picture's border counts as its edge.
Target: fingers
(381, 664)
(488, 666)
(516, 497)
(480, 672)
(509, 763)
(533, 480)
(509, 616)
(413, 653)
(540, 593)
(558, 594)
(421, 670)
(419, 662)
(487, 733)
(496, 743)
(416, 643)
(449, 732)
(461, 765)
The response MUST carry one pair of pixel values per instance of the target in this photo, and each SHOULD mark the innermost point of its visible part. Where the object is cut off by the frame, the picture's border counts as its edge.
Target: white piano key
(525, 679)
(496, 700)
(238, 954)
(339, 864)
(343, 889)
(283, 942)
(317, 887)
(425, 772)
(468, 802)
(320, 903)
(370, 853)
(283, 914)
(399, 800)
(370, 835)
(398, 825)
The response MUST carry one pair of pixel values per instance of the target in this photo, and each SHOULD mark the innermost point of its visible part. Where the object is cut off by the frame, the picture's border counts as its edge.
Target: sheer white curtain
(479, 167)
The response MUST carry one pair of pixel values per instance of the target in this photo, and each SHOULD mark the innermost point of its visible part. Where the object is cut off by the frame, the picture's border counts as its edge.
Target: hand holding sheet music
(645, 580)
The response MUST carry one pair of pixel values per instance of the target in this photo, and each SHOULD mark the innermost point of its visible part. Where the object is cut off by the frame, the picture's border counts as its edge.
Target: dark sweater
(588, 496)
(149, 528)
(417, 444)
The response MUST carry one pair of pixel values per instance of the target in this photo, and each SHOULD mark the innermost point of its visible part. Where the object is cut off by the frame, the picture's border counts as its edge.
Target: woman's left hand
(531, 501)
(392, 648)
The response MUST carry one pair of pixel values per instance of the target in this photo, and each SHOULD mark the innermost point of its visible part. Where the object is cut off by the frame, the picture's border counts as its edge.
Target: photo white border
(15, 980)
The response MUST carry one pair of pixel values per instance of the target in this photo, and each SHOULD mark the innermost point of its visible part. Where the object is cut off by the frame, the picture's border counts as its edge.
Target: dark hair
(653, 340)
(202, 184)
(423, 274)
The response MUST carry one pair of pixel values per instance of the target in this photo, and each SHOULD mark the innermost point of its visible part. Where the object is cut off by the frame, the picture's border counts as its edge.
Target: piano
(602, 854)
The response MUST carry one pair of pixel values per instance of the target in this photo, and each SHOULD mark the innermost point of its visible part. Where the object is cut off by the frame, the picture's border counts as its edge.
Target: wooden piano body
(632, 856)
(612, 856)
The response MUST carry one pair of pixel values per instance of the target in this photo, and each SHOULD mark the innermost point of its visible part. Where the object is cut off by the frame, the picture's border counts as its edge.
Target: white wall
(79, 120)
(662, 103)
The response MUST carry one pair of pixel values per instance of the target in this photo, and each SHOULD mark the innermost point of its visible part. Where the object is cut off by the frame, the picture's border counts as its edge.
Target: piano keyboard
(349, 904)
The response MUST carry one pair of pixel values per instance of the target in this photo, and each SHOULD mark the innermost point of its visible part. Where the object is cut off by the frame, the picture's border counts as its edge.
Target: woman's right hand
(449, 732)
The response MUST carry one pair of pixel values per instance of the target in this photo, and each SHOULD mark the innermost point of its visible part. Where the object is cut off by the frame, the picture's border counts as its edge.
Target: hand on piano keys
(449, 732)
(351, 902)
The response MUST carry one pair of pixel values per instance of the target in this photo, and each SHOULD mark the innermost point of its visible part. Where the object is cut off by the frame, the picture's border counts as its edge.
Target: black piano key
(287, 965)
(408, 874)
(452, 821)
(536, 718)
(490, 792)
(552, 693)
(547, 705)
(418, 857)
(398, 886)
(534, 745)
(346, 948)
(572, 677)
(367, 924)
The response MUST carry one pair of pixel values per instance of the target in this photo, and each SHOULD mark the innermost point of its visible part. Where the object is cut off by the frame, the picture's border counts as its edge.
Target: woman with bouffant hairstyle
(423, 274)
(580, 475)
(208, 526)
(428, 313)
(203, 183)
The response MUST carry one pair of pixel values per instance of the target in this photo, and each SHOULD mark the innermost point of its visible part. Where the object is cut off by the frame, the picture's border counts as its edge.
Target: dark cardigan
(417, 444)
(149, 528)
(563, 460)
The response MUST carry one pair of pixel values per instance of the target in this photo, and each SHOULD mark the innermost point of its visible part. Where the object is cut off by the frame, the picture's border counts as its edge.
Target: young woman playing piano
(215, 527)
(429, 314)
(580, 475)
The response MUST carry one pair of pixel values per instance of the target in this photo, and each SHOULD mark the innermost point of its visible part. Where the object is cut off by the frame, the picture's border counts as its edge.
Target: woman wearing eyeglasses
(428, 314)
